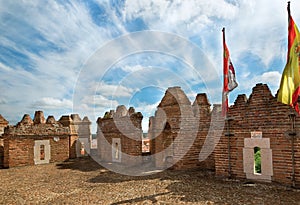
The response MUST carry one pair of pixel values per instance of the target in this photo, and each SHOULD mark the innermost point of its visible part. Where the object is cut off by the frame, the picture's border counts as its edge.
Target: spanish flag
(229, 82)
(290, 81)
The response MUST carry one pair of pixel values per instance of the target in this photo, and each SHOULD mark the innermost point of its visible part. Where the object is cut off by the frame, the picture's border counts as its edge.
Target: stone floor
(82, 181)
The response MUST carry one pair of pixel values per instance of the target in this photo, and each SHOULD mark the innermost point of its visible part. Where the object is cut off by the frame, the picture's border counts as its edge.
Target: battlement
(38, 126)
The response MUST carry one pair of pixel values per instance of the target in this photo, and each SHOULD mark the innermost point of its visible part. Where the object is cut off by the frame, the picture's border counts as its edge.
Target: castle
(182, 135)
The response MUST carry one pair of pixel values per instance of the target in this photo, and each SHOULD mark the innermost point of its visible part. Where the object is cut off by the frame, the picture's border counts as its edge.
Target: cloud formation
(45, 47)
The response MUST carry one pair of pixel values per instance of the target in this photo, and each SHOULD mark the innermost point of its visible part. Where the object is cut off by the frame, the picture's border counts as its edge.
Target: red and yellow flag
(229, 82)
(290, 81)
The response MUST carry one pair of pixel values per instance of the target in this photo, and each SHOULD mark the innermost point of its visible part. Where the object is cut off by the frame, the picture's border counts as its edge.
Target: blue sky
(51, 50)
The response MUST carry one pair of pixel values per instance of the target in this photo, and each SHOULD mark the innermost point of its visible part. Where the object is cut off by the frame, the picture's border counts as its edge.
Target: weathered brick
(125, 126)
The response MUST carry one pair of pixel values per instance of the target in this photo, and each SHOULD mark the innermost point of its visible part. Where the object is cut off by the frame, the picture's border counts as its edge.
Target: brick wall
(178, 131)
(3, 124)
(81, 144)
(19, 140)
(19, 150)
(1, 152)
(67, 121)
(261, 112)
(123, 125)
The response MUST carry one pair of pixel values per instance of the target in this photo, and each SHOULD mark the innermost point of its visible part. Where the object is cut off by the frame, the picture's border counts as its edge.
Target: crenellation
(181, 135)
(261, 113)
(175, 129)
(26, 120)
(58, 140)
(119, 136)
(39, 118)
(50, 120)
(19, 141)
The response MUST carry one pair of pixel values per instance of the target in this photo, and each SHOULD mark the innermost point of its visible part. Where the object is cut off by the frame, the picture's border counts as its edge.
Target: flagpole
(292, 134)
(292, 117)
(227, 134)
(288, 8)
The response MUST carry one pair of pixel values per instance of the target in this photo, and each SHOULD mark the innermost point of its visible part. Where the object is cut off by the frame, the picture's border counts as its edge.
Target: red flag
(229, 82)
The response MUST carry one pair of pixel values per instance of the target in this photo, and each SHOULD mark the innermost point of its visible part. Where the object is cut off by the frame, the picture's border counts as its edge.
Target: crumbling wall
(20, 141)
(259, 121)
(119, 136)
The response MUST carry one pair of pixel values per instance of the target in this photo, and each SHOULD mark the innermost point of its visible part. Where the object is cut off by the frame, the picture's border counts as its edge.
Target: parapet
(39, 118)
(173, 96)
(3, 121)
(26, 120)
(75, 118)
(260, 93)
(121, 119)
(39, 126)
(201, 99)
(50, 120)
(121, 111)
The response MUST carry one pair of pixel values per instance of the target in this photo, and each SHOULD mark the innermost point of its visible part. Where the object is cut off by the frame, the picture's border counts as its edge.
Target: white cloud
(57, 38)
(99, 101)
(251, 25)
(147, 110)
(114, 90)
(183, 17)
(5, 67)
(192, 96)
(108, 90)
(134, 68)
(52, 103)
(271, 78)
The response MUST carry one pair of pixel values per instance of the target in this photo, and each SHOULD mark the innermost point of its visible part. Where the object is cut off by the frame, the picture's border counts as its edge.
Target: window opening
(257, 160)
(117, 151)
(42, 152)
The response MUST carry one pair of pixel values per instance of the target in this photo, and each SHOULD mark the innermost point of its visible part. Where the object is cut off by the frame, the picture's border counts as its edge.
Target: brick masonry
(19, 140)
(172, 130)
(262, 113)
(183, 135)
(178, 131)
(3, 124)
(119, 136)
(83, 130)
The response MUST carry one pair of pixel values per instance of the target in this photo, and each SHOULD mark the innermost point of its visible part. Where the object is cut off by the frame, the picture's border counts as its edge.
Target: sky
(88, 57)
